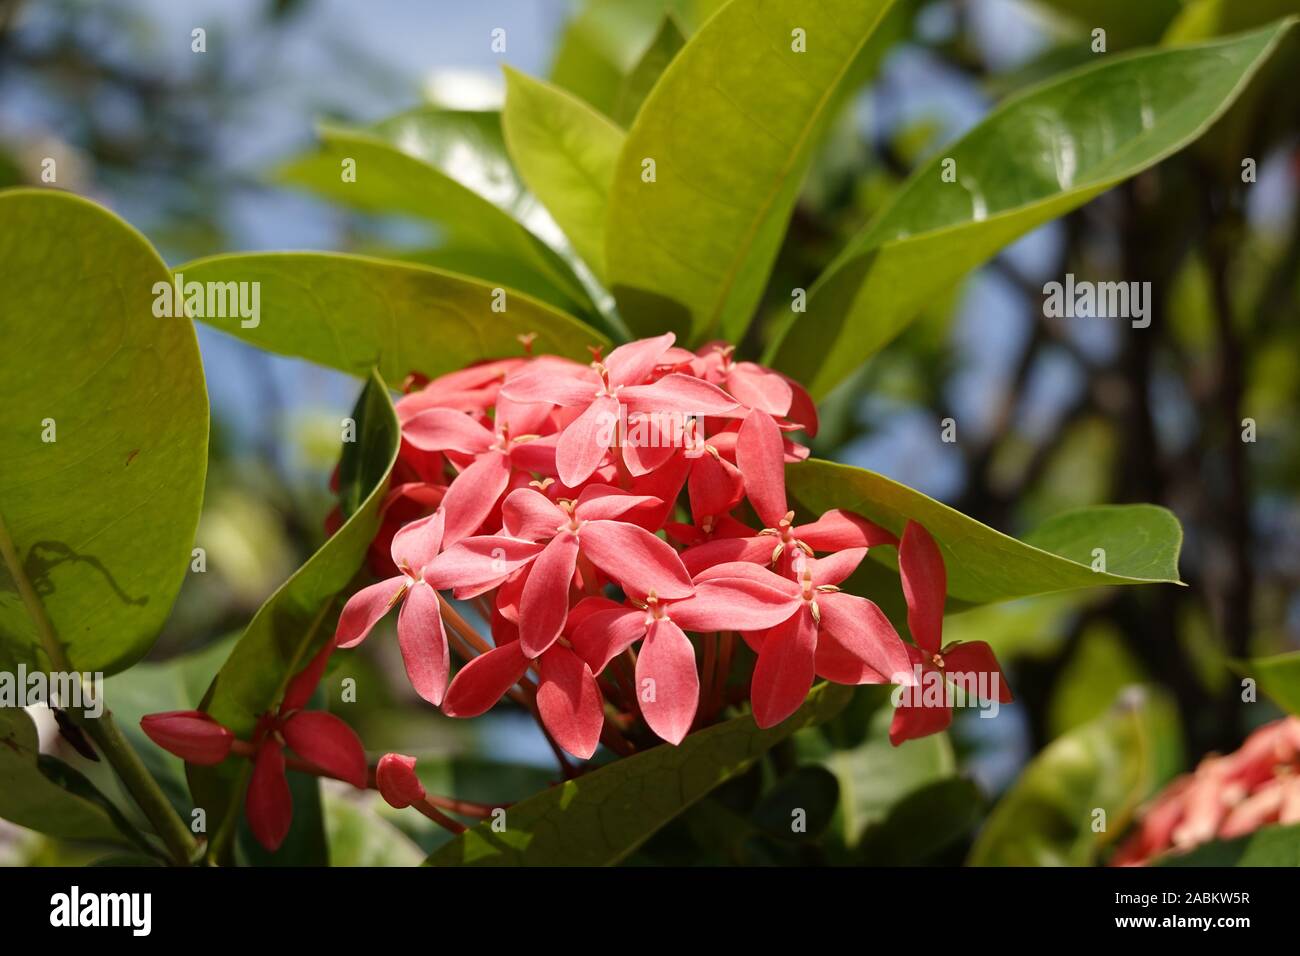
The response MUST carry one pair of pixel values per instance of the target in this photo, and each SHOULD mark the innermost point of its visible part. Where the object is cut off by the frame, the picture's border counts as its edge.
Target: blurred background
(1050, 414)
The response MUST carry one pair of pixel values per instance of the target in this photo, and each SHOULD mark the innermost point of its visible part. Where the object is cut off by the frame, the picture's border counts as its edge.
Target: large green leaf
(449, 167)
(601, 817)
(41, 793)
(1141, 542)
(731, 126)
(640, 80)
(565, 152)
(353, 313)
(359, 836)
(296, 621)
(1267, 846)
(1039, 155)
(1049, 817)
(100, 520)
(1278, 677)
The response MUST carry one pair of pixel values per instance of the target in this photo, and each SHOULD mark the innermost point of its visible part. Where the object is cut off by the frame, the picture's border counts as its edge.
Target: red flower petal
(632, 363)
(546, 383)
(785, 669)
(975, 658)
(482, 682)
(635, 558)
(715, 485)
(856, 644)
(910, 722)
(679, 393)
(443, 429)
(605, 634)
(667, 684)
(365, 608)
(423, 642)
(585, 441)
(268, 805)
(473, 495)
(189, 734)
(569, 702)
(605, 502)
(325, 741)
(304, 683)
(528, 514)
(757, 549)
(834, 568)
(759, 388)
(397, 781)
(760, 455)
(925, 584)
(734, 604)
(545, 602)
(837, 530)
(418, 542)
(479, 561)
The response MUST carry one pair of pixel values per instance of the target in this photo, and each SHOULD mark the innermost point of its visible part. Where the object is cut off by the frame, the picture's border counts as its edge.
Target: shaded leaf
(1278, 677)
(601, 817)
(1049, 817)
(636, 86)
(358, 836)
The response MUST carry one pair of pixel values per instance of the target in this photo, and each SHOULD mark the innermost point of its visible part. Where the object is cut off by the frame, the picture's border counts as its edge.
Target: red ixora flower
(925, 586)
(321, 740)
(615, 563)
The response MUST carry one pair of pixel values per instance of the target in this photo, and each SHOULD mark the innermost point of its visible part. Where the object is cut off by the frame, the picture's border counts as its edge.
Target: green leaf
(922, 823)
(293, 624)
(565, 152)
(1111, 764)
(636, 86)
(358, 836)
(1036, 157)
(875, 775)
(601, 817)
(1278, 676)
(35, 790)
(731, 126)
(1141, 541)
(353, 313)
(451, 168)
(1202, 19)
(1267, 846)
(807, 796)
(100, 520)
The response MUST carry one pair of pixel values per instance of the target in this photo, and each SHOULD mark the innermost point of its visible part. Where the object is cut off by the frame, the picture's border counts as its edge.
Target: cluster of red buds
(621, 527)
(1225, 797)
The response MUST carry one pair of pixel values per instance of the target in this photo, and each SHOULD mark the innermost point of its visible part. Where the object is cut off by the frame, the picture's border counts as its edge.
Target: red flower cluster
(1227, 796)
(558, 488)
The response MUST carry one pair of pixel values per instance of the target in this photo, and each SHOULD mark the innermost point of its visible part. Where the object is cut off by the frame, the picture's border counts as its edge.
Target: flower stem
(141, 786)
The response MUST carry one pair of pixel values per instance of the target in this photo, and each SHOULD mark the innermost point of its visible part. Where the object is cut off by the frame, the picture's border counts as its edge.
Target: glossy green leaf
(1278, 677)
(801, 805)
(601, 817)
(103, 438)
(294, 623)
(1202, 19)
(1267, 846)
(636, 86)
(353, 313)
(922, 823)
(1049, 817)
(451, 168)
(1036, 157)
(731, 126)
(34, 791)
(1141, 542)
(565, 151)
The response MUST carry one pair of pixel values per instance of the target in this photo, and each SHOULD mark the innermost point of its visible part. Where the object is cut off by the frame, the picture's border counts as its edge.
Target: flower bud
(395, 777)
(189, 734)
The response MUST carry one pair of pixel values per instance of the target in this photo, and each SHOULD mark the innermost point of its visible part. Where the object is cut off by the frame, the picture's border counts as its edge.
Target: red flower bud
(397, 782)
(190, 734)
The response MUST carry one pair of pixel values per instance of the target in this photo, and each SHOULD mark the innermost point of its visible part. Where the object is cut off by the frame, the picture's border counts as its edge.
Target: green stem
(103, 730)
